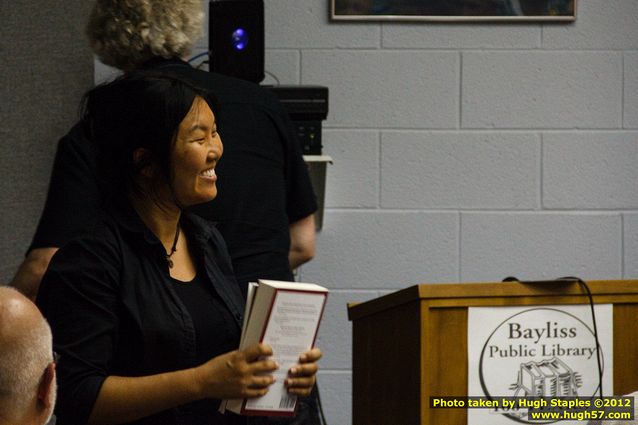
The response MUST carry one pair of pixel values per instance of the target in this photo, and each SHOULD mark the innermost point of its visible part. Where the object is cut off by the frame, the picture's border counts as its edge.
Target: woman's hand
(238, 374)
(302, 377)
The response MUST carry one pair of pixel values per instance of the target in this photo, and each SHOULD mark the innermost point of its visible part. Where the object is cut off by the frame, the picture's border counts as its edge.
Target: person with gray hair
(27, 369)
(127, 34)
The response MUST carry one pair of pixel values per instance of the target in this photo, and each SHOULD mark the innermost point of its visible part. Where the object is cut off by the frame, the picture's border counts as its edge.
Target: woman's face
(197, 150)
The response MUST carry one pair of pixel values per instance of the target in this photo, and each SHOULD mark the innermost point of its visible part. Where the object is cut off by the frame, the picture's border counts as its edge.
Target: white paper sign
(546, 351)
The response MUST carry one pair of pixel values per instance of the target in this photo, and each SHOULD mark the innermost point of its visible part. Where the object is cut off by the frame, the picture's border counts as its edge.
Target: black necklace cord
(173, 248)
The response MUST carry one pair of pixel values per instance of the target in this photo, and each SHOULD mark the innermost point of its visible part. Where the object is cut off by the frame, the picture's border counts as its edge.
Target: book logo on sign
(539, 352)
(546, 378)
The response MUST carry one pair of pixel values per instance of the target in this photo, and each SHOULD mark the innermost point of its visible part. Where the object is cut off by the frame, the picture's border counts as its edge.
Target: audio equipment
(307, 107)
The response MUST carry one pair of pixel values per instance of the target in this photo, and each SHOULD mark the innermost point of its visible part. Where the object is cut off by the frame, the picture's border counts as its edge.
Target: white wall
(465, 152)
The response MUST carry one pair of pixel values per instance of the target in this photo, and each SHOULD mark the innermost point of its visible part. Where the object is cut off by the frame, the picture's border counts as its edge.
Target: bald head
(25, 357)
(17, 316)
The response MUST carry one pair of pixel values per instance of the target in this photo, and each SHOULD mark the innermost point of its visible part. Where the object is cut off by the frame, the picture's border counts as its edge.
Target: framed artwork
(453, 10)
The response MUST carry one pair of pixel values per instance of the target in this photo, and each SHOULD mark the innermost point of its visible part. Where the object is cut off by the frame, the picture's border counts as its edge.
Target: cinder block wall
(465, 152)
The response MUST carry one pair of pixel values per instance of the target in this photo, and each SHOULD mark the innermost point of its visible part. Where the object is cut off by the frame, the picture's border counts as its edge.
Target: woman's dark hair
(138, 110)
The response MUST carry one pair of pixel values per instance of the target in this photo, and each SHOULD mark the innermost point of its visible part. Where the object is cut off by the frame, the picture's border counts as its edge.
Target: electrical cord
(207, 53)
(273, 76)
(197, 56)
(583, 284)
(202, 63)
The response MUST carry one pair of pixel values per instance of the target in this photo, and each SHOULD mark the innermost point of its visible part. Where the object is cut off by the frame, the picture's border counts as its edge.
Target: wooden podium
(412, 344)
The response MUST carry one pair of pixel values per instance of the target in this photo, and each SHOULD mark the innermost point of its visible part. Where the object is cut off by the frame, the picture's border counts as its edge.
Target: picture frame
(453, 10)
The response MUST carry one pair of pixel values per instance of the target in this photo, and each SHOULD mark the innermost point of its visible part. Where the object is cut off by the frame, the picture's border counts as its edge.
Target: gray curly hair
(127, 33)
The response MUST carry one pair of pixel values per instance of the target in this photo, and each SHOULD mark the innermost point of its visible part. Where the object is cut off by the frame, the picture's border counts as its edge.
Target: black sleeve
(300, 196)
(73, 199)
(79, 298)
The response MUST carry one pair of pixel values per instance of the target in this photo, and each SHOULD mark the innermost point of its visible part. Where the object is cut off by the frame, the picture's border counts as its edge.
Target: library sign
(523, 352)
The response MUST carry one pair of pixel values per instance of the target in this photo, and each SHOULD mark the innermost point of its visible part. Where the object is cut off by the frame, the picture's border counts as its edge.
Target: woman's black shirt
(114, 310)
(215, 334)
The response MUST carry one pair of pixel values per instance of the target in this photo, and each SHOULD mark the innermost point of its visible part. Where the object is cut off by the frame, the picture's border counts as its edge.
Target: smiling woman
(198, 148)
(140, 125)
(144, 308)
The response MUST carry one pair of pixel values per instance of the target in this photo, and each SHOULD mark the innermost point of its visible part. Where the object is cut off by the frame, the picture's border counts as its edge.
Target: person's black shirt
(114, 310)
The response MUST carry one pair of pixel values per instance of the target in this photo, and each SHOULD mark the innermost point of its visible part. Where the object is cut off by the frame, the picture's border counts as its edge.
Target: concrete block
(304, 24)
(600, 24)
(353, 178)
(630, 110)
(335, 333)
(281, 66)
(384, 250)
(593, 170)
(386, 89)
(542, 90)
(540, 246)
(460, 36)
(335, 390)
(460, 170)
(630, 238)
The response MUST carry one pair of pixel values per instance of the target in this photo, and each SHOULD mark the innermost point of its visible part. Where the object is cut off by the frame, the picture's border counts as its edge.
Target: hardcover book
(286, 316)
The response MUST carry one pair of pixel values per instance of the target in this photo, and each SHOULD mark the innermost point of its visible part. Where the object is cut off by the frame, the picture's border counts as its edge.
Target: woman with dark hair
(144, 308)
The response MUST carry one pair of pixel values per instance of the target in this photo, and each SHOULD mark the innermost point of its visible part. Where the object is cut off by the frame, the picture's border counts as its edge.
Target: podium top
(486, 290)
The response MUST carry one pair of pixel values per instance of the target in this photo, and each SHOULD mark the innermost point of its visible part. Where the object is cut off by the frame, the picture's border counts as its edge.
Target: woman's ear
(141, 159)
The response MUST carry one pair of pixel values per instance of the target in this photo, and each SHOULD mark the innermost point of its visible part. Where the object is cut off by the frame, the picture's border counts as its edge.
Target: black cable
(273, 76)
(197, 56)
(593, 318)
(511, 279)
(202, 63)
(584, 285)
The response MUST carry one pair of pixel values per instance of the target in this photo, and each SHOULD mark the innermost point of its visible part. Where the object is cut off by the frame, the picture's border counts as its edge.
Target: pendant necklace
(173, 248)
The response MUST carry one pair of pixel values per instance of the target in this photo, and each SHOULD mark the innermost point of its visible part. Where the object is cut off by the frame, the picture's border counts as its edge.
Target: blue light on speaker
(239, 39)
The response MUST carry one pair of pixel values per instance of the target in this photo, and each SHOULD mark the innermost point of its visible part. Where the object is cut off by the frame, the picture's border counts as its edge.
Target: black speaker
(236, 38)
